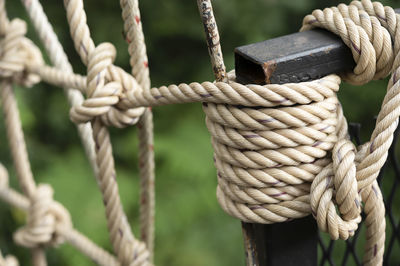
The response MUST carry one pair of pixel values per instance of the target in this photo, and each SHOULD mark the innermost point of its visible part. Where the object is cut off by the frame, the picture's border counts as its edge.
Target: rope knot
(9, 260)
(336, 185)
(45, 216)
(107, 86)
(134, 252)
(369, 41)
(17, 53)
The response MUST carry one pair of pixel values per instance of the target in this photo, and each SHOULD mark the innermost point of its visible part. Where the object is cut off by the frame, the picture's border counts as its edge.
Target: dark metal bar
(292, 243)
(297, 57)
(286, 244)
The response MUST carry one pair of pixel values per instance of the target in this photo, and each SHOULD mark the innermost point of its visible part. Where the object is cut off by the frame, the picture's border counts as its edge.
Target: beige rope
(20, 158)
(59, 59)
(67, 233)
(44, 215)
(105, 83)
(8, 260)
(140, 71)
(271, 143)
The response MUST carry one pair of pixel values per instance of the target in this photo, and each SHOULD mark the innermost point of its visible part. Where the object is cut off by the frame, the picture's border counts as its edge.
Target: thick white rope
(63, 67)
(268, 150)
(140, 71)
(105, 82)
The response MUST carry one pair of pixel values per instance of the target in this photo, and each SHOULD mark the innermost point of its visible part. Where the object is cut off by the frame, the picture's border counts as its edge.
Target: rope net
(281, 151)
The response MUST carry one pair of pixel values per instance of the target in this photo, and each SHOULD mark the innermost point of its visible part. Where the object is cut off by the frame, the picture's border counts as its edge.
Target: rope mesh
(281, 151)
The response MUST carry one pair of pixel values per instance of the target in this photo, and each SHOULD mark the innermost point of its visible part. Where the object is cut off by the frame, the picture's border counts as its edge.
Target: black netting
(350, 252)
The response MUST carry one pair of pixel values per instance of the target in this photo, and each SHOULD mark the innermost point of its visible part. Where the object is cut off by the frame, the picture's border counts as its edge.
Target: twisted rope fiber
(40, 229)
(140, 71)
(46, 218)
(59, 59)
(15, 49)
(239, 150)
(268, 150)
(105, 82)
(70, 235)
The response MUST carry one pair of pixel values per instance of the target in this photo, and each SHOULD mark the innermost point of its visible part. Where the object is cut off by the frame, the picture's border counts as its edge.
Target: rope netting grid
(272, 143)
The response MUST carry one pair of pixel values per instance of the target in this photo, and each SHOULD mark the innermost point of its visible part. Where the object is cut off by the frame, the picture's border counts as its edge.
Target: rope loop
(17, 53)
(369, 41)
(106, 86)
(335, 188)
(279, 162)
(44, 217)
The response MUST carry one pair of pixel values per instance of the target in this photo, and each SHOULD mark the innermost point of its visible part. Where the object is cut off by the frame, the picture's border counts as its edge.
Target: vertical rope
(15, 137)
(59, 59)
(128, 249)
(19, 153)
(140, 70)
(16, 140)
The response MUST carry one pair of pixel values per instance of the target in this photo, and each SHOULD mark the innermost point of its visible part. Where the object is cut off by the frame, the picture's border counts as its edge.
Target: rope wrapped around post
(281, 151)
(256, 161)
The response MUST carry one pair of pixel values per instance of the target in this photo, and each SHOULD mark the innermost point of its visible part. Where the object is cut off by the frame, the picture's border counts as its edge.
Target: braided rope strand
(281, 151)
(99, 62)
(140, 71)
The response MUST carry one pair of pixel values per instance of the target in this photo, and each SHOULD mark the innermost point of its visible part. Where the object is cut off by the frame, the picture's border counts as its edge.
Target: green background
(191, 229)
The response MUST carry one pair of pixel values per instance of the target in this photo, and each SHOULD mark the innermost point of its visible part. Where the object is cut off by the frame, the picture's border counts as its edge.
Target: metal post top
(297, 57)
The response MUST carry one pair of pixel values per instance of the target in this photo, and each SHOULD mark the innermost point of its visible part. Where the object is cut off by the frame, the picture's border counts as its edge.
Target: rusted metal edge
(297, 57)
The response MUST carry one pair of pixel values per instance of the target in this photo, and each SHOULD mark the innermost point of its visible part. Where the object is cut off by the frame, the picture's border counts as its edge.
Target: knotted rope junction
(281, 151)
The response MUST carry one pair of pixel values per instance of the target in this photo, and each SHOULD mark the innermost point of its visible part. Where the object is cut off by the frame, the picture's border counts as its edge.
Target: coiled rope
(281, 151)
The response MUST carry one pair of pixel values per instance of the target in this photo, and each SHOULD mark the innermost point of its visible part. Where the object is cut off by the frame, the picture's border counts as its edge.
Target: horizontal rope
(271, 143)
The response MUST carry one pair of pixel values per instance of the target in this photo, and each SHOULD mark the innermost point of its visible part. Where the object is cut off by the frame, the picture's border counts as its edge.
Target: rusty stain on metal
(269, 68)
(296, 57)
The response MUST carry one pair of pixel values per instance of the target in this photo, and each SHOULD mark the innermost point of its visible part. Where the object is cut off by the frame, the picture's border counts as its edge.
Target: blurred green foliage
(191, 228)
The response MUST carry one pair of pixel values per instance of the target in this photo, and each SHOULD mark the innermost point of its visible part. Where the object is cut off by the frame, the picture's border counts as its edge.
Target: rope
(281, 151)
(140, 71)
(105, 83)
(8, 261)
(45, 217)
(66, 233)
(59, 59)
